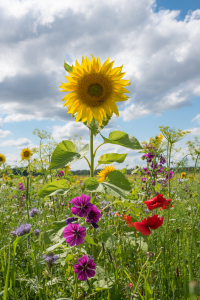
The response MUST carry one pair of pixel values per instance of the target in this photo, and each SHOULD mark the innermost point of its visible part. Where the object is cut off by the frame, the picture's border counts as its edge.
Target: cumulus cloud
(160, 54)
(21, 142)
(194, 131)
(4, 133)
(69, 130)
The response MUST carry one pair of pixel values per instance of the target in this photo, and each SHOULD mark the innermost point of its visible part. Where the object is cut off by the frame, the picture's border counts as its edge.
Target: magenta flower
(82, 205)
(85, 268)
(94, 215)
(170, 174)
(74, 234)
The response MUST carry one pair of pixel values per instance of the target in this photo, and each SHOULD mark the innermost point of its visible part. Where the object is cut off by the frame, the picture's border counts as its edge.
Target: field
(107, 251)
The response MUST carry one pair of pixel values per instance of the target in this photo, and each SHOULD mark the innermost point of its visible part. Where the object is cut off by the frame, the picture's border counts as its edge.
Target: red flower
(152, 222)
(158, 201)
(128, 221)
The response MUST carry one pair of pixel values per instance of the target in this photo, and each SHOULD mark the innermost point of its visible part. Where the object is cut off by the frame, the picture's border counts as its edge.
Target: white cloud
(21, 142)
(4, 133)
(68, 130)
(194, 131)
(197, 119)
(161, 56)
(1, 122)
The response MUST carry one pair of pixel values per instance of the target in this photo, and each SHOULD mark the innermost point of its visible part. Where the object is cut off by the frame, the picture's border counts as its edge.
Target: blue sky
(158, 43)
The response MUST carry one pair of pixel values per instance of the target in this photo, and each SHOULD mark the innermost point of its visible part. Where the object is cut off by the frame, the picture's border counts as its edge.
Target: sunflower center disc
(26, 154)
(95, 90)
(1, 159)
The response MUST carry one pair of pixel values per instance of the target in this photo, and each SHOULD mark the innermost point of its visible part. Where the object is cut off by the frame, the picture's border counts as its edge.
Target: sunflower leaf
(65, 153)
(111, 157)
(67, 67)
(123, 139)
(61, 185)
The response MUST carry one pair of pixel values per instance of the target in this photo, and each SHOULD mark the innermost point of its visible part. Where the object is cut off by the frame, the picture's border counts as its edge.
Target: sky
(157, 42)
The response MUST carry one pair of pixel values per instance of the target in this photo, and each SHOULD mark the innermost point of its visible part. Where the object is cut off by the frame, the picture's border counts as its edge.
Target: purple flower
(20, 186)
(74, 234)
(94, 215)
(33, 212)
(63, 204)
(50, 259)
(153, 182)
(96, 225)
(82, 205)
(144, 179)
(162, 160)
(170, 174)
(13, 233)
(149, 156)
(23, 229)
(85, 268)
(70, 220)
(60, 174)
(37, 231)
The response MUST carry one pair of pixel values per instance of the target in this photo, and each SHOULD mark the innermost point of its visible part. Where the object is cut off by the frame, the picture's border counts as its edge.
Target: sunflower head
(104, 172)
(94, 90)
(26, 154)
(183, 175)
(2, 159)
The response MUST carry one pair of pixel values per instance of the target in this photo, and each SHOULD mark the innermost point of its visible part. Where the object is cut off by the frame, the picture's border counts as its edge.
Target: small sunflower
(2, 159)
(94, 90)
(26, 153)
(183, 175)
(104, 172)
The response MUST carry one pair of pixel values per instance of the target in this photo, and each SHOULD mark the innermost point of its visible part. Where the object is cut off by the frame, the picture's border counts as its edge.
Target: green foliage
(67, 67)
(94, 125)
(65, 153)
(52, 188)
(111, 157)
(123, 139)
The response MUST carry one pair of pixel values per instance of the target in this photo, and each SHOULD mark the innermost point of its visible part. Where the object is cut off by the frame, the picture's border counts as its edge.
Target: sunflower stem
(91, 155)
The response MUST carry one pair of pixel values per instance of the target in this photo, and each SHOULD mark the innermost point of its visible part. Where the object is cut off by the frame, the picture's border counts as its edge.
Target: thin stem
(91, 155)
(87, 161)
(98, 148)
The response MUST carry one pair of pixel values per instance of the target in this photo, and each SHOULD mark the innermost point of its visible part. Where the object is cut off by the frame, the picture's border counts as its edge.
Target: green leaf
(55, 235)
(91, 184)
(123, 139)
(89, 240)
(108, 239)
(117, 178)
(124, 171)
(67, 67)
(65, 153)
(112, 157)
(61, 185)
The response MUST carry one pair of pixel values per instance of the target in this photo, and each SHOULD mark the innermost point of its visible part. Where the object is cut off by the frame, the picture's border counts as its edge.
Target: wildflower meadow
(110, 235)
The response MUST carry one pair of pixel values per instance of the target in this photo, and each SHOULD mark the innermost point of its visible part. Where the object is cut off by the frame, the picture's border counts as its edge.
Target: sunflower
(2, 159)
(26, 153)
(104, 172)
(183, 175)
(94, 90)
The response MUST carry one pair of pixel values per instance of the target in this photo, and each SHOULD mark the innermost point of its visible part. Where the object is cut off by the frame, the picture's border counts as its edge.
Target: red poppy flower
(158, 201)
(152, 222)
(128, 221)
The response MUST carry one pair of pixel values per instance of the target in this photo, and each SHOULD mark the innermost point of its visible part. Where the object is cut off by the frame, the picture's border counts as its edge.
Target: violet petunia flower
(85, 268)
(94, 215)
(82, 205)
(74, 234)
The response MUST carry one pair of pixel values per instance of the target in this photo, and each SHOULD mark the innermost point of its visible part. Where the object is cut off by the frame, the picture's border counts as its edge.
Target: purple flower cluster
(37, 232)
(169, 175)
(60, 174)
(85, 268)
(149, 157)
(33, 212)
(50, 259)
(21, 187)
(22, 230)
(74, 233)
